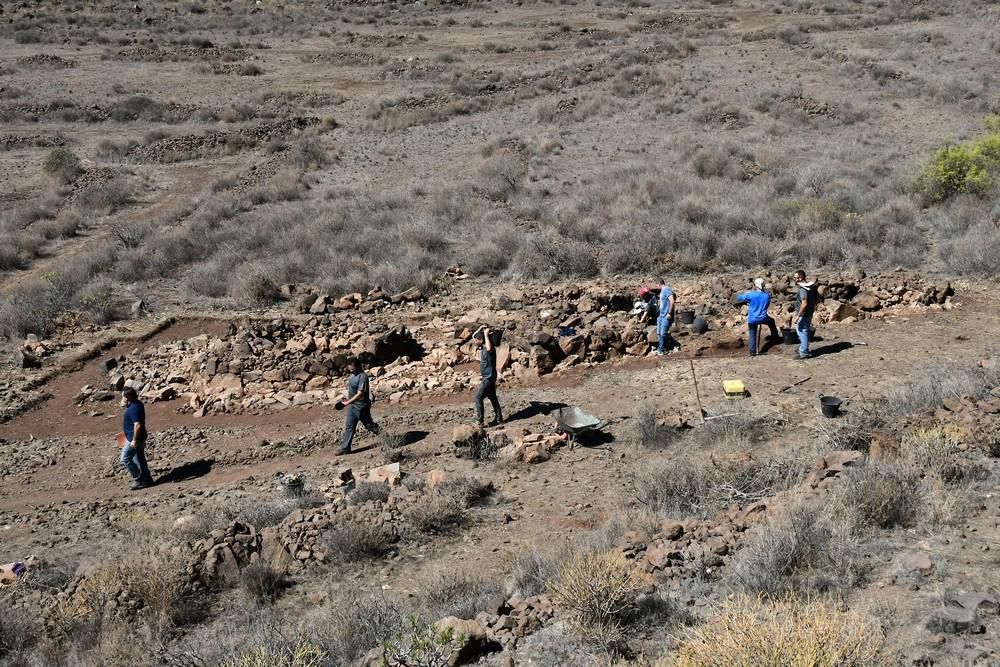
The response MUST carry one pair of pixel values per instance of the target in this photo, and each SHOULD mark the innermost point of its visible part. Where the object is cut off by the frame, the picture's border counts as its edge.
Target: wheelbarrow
(574, 422)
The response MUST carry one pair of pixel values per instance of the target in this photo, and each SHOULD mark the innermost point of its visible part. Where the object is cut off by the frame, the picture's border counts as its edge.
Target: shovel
(697, 395)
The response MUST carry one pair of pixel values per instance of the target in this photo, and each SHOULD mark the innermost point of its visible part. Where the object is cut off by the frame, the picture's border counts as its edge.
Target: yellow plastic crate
(734, 388)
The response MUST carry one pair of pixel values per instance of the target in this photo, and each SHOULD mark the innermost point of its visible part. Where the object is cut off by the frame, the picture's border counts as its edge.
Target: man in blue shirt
(488, 376)
(665, 343)
(358, 404)
(759, 301)
(133, 457)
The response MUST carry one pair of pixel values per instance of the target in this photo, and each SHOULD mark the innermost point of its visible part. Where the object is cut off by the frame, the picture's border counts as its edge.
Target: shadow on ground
(186, 471)
(832, 348)
(534, 409)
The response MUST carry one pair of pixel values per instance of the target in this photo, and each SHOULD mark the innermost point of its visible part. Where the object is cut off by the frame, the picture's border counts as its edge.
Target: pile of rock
(223, 554)
(183, 145)
(827, 470)
(963, 613)
(495, 629)
(177, 53)
(531, 447)
(682, 549)
(265, 364)
(275, 363)
(314, 302)
(296, 540)
(46, 60)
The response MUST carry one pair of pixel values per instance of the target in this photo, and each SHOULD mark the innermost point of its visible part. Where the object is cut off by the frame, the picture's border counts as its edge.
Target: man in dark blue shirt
(488, 374)
(358, 404)
(133, 457)
(758, 302)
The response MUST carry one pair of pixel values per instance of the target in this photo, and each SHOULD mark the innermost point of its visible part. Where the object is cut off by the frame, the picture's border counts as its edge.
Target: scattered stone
(955, 621)
(978, 602)
(25, 359)
(389, 474)
(916, 562)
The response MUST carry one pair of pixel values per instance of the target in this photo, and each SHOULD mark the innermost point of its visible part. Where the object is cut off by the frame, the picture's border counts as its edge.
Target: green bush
(966, 168)
(62, 164)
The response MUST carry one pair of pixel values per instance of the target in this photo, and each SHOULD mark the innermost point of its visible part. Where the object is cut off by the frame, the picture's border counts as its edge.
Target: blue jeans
(663, 338)
(133, 459)
(357, 414)
(755, 327)
(488, 390)
(802, 327)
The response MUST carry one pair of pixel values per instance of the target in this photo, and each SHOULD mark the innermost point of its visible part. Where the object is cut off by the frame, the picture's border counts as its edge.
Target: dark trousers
(356, 414)
(754, 328)
(488, 389)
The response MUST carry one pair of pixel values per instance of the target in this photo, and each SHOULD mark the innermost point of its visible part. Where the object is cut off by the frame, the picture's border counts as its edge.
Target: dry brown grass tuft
(596, 591)
(750, 631)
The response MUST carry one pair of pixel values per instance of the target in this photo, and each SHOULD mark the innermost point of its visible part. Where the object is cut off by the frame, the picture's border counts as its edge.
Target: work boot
(497, 420)
(137, 485)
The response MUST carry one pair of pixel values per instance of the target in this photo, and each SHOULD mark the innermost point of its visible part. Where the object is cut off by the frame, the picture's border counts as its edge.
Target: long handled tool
(794, 384)
(697, 394)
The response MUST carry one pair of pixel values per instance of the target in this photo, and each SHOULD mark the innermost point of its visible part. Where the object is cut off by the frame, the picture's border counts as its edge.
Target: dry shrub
(459, 594)
(96, 301)
(261, 582)
(366, 492)
(437, 511)
(294, 654)
(884, 495)
(106, 198)
(700, 487)
(337, 625)
(308, 154)
(650, 433)
(249, 69)
(32, 308)
(751, 631)
(937, 383)
(802, 550)
(18, 632)
(934, 448)
(257, 512)
(357, 540)
(596, 590)
(852, 431)
(738, 430)
(257, 289)
(139, 583)
(62, 164)
(532, 572)
(391, 446)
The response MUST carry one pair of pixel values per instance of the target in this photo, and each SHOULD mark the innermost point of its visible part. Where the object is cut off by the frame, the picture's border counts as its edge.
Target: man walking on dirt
(488, 374)
(133, 457)
(758, 302)
(358, 404)
(805, 306)
(665, 343)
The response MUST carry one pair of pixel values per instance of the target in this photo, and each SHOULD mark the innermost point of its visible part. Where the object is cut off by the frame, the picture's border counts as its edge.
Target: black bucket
(830, 405)
(789, 337)
(685, 316)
